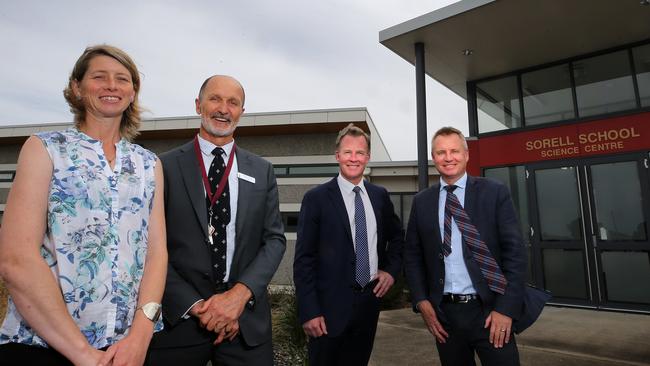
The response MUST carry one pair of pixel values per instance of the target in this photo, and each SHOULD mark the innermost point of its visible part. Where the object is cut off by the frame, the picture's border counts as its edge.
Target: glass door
(558, 233)
(589, 231)
(618, 197)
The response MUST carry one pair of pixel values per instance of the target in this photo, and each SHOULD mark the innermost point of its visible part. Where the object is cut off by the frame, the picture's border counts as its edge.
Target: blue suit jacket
(324, 263)
(490, 208)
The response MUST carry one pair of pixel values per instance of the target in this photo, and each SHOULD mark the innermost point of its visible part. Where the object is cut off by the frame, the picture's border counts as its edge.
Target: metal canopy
(508, 35)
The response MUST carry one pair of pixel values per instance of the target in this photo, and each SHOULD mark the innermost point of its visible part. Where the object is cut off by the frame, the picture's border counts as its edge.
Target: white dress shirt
(348, 194)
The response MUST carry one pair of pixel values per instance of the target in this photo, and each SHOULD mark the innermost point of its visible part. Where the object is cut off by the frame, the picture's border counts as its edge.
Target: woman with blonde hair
(82, 245)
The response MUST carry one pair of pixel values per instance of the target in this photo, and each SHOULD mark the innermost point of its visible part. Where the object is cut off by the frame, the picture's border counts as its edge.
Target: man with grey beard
(225, 240)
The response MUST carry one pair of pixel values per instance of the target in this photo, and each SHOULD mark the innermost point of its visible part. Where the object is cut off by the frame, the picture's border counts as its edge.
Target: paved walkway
(561, 336)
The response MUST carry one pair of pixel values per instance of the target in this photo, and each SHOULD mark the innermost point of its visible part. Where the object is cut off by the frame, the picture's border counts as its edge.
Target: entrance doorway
(589, 231)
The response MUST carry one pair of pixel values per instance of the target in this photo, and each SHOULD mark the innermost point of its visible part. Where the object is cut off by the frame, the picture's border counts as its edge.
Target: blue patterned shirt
(96, 237)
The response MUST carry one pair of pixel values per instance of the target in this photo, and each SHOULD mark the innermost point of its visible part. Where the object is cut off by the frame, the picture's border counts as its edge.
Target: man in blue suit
(348, 254)
(465, 260)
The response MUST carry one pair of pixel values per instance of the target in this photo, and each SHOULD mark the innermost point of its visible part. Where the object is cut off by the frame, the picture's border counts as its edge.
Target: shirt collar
(347, 186)
(460, 183)
(207, 146)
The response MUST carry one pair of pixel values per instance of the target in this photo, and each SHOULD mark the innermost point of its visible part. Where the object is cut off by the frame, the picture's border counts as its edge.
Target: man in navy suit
(467, 306)
(348, 254)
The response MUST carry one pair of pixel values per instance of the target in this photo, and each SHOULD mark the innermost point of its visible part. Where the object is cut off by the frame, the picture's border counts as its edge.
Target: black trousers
(22, 354)
(354, 346)
(228, 353)
(464, 323)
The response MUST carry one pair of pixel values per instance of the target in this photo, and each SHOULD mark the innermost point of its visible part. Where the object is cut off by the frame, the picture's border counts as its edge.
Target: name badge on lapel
(245, 177)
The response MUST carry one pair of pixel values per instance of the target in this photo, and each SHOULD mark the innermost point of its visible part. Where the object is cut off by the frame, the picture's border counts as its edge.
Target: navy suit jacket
(489, 206)
(324, 263)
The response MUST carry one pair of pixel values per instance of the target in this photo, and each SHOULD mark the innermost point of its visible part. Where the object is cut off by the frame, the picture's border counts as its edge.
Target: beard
(215, 131)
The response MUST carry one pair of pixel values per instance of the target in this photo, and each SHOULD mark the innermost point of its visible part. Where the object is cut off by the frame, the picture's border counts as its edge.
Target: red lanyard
(224, 178)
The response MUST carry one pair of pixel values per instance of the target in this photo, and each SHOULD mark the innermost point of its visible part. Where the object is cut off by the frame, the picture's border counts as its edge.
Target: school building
(558, 101)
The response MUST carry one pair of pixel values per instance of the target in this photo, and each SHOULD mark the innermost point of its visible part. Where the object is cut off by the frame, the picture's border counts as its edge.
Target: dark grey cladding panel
(289, 145)
(9, 153)
(293, 193)
(277, 145)
(159, 146)
(4, 192)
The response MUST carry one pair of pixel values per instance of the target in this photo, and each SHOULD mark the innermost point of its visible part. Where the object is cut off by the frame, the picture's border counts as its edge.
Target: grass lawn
(3, 300)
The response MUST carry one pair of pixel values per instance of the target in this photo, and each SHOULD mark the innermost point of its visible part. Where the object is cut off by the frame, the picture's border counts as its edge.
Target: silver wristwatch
(151, 310)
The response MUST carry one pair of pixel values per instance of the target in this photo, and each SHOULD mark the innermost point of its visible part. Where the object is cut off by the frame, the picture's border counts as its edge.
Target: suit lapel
(339, 206)
(435, 204)
(244, 166)
(471, 195)
(376, 202)
(191, 173)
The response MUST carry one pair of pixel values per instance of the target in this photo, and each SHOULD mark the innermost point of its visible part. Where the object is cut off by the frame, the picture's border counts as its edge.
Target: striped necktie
(489, 267)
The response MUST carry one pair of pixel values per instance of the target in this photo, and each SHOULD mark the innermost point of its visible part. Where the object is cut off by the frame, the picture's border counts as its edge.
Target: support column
(421, 104)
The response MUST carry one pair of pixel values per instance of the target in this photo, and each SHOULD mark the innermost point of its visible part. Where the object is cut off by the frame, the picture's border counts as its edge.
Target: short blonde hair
(446, 131)
(131, 117)
(352, 130)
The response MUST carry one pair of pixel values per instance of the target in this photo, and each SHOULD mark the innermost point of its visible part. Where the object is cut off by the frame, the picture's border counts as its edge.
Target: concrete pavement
(561, 336)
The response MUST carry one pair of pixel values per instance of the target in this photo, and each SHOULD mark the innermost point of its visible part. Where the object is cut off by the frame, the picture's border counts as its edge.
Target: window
(402, 203)
(578, 88)
(315, 170)
(280, 171)
(564, 273)
(604, 84)
(558, 187)
(642, 67)
(498, 104)
(327, 170)
(514, 177)
(547, 95)
(621, 269)
(619, 216)
(7, 176)
(290, 221)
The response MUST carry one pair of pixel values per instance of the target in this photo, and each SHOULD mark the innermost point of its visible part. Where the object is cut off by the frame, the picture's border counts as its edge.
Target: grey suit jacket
(259, 247)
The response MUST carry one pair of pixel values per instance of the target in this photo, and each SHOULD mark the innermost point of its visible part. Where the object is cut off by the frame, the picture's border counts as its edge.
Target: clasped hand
(220, 314)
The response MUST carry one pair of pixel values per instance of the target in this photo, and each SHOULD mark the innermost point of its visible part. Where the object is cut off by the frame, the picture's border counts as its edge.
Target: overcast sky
(288, 54)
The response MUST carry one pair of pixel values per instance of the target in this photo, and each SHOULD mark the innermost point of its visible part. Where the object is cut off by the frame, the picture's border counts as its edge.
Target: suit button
(206, 275)
(442, 282)
(441, 256)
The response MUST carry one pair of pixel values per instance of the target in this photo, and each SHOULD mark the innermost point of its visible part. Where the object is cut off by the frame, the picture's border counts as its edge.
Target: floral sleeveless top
(96, 237)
